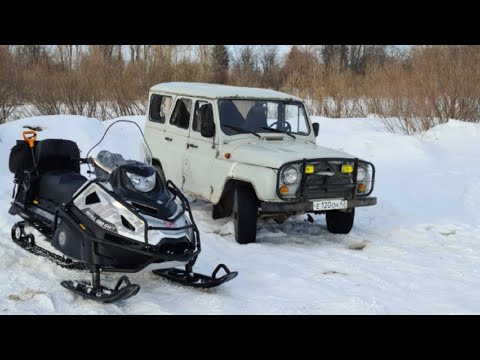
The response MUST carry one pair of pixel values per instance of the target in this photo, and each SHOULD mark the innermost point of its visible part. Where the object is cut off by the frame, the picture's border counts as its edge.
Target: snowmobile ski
(193, 279)
(101, 293)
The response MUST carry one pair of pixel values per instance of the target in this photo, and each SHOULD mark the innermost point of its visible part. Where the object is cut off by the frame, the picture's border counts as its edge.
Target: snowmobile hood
(273, 154)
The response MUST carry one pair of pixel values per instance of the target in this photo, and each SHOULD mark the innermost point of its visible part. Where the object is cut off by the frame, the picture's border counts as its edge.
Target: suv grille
(327, 181)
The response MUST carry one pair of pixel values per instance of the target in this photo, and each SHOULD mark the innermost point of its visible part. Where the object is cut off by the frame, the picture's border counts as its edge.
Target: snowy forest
(411, 88)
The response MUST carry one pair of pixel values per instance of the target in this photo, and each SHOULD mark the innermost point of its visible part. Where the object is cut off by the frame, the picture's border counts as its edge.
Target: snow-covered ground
(417, 251)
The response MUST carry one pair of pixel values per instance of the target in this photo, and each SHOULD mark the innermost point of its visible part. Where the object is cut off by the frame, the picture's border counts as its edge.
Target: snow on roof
(215, 91)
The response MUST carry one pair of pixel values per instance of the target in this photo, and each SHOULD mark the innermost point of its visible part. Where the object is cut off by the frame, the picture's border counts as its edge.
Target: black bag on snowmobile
(21, 159)
(21, 163)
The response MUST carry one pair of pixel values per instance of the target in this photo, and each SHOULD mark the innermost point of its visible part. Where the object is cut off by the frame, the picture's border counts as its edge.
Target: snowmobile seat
(59, 186)
(57, 154)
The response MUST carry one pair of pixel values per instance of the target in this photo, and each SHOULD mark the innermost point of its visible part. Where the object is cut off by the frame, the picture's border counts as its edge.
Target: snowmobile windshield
(123, 142)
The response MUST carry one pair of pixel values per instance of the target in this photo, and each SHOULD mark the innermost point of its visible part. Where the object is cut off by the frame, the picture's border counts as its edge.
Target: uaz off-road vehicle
(252, 153)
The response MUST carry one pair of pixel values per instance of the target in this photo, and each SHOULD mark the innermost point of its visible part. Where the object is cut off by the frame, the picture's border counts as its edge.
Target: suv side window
(181, 113)
(160, 106)
(203, 112)
(295, 116)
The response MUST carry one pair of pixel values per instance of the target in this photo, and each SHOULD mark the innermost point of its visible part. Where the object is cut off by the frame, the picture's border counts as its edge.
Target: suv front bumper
(307, 206)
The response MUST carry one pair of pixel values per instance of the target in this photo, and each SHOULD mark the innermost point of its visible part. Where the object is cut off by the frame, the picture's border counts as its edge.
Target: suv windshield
(262, 116)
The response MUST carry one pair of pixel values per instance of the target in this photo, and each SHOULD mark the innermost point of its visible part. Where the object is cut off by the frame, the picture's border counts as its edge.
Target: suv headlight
(141, 183)
(362, 173)
(289, 176)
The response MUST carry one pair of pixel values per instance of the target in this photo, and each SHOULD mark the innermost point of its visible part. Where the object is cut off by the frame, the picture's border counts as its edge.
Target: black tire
(245, 209)
(339, 222)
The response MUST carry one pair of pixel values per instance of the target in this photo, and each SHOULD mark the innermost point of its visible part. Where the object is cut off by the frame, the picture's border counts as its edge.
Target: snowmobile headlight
(289, 176)
(142, 183)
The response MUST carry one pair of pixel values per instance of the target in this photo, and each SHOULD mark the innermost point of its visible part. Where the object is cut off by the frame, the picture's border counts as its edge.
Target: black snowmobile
(126, 218)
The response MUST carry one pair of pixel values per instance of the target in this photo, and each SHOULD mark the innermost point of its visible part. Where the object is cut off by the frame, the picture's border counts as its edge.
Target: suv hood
(274, 154)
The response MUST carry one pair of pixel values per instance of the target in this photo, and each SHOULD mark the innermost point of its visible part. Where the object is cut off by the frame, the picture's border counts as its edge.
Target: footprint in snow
(447, 232)
(27, 294)
(333, 272)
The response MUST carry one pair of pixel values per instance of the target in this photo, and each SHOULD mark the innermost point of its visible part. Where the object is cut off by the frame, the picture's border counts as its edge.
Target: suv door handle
(168, 139)
(193, 146)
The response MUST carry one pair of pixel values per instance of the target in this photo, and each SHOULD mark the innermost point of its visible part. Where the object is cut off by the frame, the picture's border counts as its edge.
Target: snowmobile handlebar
(84, 160)
(94, 162)
(30, 140)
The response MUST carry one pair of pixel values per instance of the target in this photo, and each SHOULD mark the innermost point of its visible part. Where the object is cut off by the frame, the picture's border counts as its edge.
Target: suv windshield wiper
(240, 130)
(278, 131)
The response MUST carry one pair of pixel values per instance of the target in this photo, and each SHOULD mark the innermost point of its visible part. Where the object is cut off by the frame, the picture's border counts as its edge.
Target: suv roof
(214, 91)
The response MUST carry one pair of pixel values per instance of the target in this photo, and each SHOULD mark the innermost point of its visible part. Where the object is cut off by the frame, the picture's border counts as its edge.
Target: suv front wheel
(339, 222)
(245, 209)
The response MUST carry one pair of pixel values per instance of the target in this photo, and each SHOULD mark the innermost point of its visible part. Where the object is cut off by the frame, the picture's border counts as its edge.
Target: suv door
(198, 161)
(159, 109)
(176, 137)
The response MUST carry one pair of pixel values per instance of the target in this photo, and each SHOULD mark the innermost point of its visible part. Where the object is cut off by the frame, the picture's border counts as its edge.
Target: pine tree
(220, 62)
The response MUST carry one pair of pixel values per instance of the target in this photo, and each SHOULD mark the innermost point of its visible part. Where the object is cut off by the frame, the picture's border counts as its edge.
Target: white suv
(252, 152)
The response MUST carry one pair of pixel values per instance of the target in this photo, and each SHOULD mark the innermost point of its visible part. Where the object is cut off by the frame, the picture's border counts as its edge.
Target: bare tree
(8, 88)
(245, 69)
(66, 55)
(357, 58)
(247, 59)
(146, 52)
(270, 66)
(30, 55)
(205, 57)
(135, 52)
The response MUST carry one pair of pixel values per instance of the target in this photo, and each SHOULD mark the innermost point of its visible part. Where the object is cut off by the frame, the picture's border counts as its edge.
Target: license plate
(333, 204)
